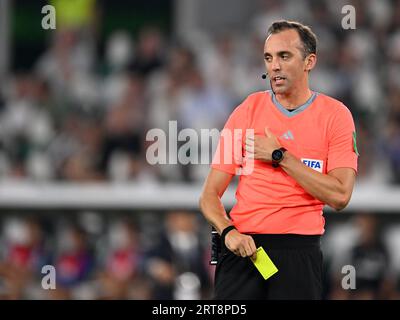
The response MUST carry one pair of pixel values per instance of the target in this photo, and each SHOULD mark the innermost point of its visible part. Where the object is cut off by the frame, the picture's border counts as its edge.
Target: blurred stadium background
(76, 190)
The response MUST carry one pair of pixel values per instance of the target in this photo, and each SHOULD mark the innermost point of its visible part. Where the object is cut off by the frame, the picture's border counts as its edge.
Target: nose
(275, 65)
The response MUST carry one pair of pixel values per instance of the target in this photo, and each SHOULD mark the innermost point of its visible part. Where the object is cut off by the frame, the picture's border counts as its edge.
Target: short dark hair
(307, 37)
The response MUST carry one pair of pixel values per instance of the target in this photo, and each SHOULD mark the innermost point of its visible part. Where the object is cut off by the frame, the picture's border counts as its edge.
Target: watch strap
(225, 232)
(275, 163)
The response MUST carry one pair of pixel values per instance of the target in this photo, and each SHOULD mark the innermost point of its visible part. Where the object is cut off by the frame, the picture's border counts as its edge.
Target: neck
(294, 98)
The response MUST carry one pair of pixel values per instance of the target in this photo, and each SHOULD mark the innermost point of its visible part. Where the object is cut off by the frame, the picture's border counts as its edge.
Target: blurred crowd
(166, 256)
(82, 114)
(361, 258)
(98, 257)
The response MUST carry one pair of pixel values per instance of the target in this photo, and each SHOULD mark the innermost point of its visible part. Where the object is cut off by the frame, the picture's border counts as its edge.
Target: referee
(303, 155)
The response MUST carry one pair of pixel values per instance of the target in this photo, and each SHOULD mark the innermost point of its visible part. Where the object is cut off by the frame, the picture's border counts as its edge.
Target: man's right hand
(240, 244)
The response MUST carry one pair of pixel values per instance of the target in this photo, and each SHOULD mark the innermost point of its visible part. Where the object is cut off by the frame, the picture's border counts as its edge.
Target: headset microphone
(264, 76)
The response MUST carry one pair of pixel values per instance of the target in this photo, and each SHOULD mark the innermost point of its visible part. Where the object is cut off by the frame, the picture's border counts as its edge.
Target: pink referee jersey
(321, 133)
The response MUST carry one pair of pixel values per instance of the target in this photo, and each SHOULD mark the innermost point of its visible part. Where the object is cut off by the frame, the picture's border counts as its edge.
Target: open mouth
(279, 79)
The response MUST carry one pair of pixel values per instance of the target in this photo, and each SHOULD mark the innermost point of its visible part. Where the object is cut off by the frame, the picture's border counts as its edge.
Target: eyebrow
(267, 54)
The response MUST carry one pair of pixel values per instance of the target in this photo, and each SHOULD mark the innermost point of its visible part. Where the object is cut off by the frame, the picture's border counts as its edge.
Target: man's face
(283, 56)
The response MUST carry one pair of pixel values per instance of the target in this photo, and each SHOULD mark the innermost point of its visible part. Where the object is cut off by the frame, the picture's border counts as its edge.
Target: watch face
(277, 155)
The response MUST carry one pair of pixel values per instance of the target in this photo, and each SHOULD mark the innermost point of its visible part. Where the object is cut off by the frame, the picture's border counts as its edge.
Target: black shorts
(299, 262)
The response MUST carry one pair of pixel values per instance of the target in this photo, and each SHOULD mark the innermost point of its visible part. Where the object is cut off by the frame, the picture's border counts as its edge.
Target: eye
(268, 58)
(285, 56)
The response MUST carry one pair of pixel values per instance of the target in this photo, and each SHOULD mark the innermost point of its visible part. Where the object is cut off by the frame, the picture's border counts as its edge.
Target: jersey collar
(298, 110)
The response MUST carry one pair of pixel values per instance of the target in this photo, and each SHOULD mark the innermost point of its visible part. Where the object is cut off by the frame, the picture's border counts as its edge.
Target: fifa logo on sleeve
(317, 165)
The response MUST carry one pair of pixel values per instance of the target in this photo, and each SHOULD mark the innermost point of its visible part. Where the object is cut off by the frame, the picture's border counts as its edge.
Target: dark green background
(29, 40)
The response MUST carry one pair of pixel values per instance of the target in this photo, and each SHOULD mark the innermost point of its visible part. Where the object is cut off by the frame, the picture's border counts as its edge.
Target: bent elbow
(341, 203)
(338, 207)
(201, 201)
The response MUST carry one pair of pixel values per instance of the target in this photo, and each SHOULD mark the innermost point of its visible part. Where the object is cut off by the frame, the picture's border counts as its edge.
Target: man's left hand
(261, 147)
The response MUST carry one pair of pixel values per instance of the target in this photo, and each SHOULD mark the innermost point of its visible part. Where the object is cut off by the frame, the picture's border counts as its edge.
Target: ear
(310, 62)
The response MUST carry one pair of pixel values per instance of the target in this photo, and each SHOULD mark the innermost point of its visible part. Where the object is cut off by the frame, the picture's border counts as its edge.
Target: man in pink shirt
(302, 156)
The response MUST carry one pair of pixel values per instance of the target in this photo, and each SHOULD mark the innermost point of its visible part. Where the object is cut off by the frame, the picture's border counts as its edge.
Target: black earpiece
(264, 76)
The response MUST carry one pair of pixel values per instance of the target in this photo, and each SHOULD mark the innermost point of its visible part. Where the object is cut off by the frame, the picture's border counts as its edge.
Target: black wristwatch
(277, 156)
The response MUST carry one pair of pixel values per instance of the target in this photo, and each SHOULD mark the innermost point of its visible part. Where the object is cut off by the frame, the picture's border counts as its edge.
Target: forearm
(325, 188)
(214, 211)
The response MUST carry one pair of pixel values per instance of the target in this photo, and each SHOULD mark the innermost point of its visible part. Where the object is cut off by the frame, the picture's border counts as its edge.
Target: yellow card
(264, 264)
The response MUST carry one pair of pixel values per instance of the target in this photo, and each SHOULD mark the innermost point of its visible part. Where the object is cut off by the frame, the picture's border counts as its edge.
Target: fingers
(242, 251)
(254, 256)
(250, 142)
(267, 132)
(250, 137)
(249, 251)
(253, 247)
(272, 137)
(243, 246)
(249, 147)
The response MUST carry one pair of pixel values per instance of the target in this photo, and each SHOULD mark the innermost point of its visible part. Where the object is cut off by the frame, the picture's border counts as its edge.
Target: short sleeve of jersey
(342, 150)
(229, 153)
